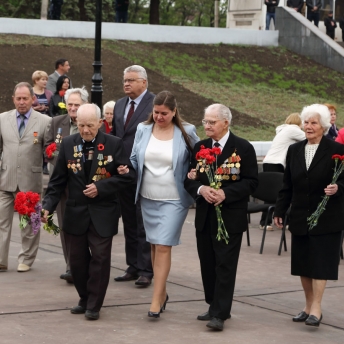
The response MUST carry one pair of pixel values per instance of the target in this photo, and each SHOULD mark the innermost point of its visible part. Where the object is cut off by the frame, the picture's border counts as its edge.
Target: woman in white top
(161, 156)
(286, 134)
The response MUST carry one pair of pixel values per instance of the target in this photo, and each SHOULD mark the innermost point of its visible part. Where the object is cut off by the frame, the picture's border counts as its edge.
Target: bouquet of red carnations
(28, 206)
(50, 150)
(312, 221)
(30, 210)
(205, 159)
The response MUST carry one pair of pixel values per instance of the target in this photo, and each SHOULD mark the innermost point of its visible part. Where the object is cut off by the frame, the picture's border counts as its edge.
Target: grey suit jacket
(51, 84)
(21, 162)
(181, 156)
(140, 115)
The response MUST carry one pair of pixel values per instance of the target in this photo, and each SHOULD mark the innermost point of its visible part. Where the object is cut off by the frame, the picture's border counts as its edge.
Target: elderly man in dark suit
(128, 113)
(218, 259)
(87, 165)
(63, 126)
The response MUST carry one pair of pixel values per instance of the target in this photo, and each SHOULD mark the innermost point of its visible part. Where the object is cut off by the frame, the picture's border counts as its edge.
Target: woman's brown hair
(167, 99)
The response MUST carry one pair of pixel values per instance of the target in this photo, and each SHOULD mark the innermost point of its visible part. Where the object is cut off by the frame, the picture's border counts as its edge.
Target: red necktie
(130, 114)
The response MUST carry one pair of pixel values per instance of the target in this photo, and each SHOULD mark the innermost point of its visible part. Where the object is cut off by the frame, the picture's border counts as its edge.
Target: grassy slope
(239, 76)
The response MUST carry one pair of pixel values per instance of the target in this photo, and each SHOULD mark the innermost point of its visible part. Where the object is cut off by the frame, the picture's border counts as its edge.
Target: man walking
(61, 127)
(62, 67)
(87, 164)
(128, 113)
(22, 139)
(239, 178)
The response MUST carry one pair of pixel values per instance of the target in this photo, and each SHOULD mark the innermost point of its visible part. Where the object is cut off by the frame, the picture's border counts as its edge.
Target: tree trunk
(82, 10)
(154, 12)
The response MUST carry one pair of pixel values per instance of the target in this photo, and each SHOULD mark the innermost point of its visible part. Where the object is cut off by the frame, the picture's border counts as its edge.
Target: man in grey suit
(62, 67)
(128, 113)
(22, 139)
(62, 126)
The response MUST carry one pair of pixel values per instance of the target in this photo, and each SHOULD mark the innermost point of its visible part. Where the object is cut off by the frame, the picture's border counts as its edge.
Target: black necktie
(216, 144)
(130, 114)
(21, 125)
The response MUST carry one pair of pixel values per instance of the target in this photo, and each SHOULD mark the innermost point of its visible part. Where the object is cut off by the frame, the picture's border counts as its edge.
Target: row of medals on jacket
(230, 166)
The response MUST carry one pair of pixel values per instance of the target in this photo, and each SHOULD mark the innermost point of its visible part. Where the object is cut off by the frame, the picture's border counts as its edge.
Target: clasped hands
(211, 195)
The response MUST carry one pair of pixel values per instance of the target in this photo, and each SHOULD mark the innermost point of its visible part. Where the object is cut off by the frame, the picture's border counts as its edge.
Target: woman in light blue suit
(161, 155)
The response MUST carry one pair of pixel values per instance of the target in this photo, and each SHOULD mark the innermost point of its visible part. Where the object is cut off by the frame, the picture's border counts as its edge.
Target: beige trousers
(30, 242)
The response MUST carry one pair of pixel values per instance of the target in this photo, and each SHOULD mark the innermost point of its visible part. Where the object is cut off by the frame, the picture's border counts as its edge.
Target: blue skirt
(163, 221)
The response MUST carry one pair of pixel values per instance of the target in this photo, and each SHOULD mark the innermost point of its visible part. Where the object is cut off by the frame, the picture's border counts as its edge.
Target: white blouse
(310, 151)
(158, 179)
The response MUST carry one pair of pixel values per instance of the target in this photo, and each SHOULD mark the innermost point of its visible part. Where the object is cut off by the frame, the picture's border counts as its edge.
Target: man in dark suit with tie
(128, 113)
(87, 165)
(239, 179)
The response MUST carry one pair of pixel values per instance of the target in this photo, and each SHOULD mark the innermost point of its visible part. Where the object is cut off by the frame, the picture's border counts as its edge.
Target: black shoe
(207, 317)
(163, 307)
(92, 315)
(126, 277)
(78, 310)
(312, 320)
(67, 276)
(204, 317)
(154, 314)
(301, 317)
(216, 324)
(45, 170)
(143, 281)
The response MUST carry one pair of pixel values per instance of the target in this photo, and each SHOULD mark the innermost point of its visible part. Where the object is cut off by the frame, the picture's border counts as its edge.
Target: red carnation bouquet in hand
(50, 150)
(28, 206)
(312, 221)
(206, 158)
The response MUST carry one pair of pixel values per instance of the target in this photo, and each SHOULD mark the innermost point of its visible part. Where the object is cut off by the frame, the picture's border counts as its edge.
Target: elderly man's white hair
(80, 91)
(97, 111)
(221, 111)
(139, 70)
(318, 110)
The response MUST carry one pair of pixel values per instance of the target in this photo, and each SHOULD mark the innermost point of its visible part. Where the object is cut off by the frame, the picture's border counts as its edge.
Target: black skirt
(316, 256)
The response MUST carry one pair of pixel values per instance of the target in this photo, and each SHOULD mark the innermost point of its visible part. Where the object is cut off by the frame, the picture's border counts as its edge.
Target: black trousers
(90, 263)
(270, 168)
(137, 249)
(219, 262)
(330, 34)
(311, 16)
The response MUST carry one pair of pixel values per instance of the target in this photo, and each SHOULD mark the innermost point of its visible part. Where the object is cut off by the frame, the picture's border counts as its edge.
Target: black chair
(269, 185)
(283, 239)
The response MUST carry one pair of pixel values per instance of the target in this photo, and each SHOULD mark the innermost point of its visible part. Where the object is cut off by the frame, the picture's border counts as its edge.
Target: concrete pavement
(34, 306)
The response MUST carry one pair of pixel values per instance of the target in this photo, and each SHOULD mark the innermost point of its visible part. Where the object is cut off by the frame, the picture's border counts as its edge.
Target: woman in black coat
(307, 178)
(62, 85)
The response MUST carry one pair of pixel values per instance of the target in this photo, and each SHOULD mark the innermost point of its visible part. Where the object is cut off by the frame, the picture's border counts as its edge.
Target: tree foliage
(163, 12)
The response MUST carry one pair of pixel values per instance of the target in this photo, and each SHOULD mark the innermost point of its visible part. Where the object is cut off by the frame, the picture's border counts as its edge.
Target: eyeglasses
(211, 123)
(130, 81)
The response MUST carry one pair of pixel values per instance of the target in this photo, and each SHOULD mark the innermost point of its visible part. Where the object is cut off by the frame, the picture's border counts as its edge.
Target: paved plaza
(34, 306)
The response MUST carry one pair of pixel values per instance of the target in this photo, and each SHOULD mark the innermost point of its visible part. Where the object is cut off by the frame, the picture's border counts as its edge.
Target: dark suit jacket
(304, 189)
(63, 122)
(80, 210)
(234, 207)
(332, 134)
(295, 4)
(140, 115)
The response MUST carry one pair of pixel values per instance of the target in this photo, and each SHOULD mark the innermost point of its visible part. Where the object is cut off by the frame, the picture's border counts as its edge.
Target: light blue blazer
(180, 157)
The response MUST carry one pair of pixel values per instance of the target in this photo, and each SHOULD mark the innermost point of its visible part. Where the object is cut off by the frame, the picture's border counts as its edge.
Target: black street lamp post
(97, 88)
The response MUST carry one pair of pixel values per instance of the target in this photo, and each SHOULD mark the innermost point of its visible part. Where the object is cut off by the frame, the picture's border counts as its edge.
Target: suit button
(18, 166)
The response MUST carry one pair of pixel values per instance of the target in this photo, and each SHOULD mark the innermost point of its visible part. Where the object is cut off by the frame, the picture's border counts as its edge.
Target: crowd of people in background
(140, 160)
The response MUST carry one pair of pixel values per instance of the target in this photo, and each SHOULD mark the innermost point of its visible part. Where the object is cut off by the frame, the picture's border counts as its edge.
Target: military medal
(35, 134)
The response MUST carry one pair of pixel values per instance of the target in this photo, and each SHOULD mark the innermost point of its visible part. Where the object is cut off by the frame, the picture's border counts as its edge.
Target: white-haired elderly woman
(108, 115)
(307, 178)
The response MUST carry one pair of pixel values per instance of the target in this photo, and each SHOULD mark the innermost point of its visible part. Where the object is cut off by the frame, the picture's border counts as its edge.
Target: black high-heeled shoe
(163, 307)
(154, 314)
